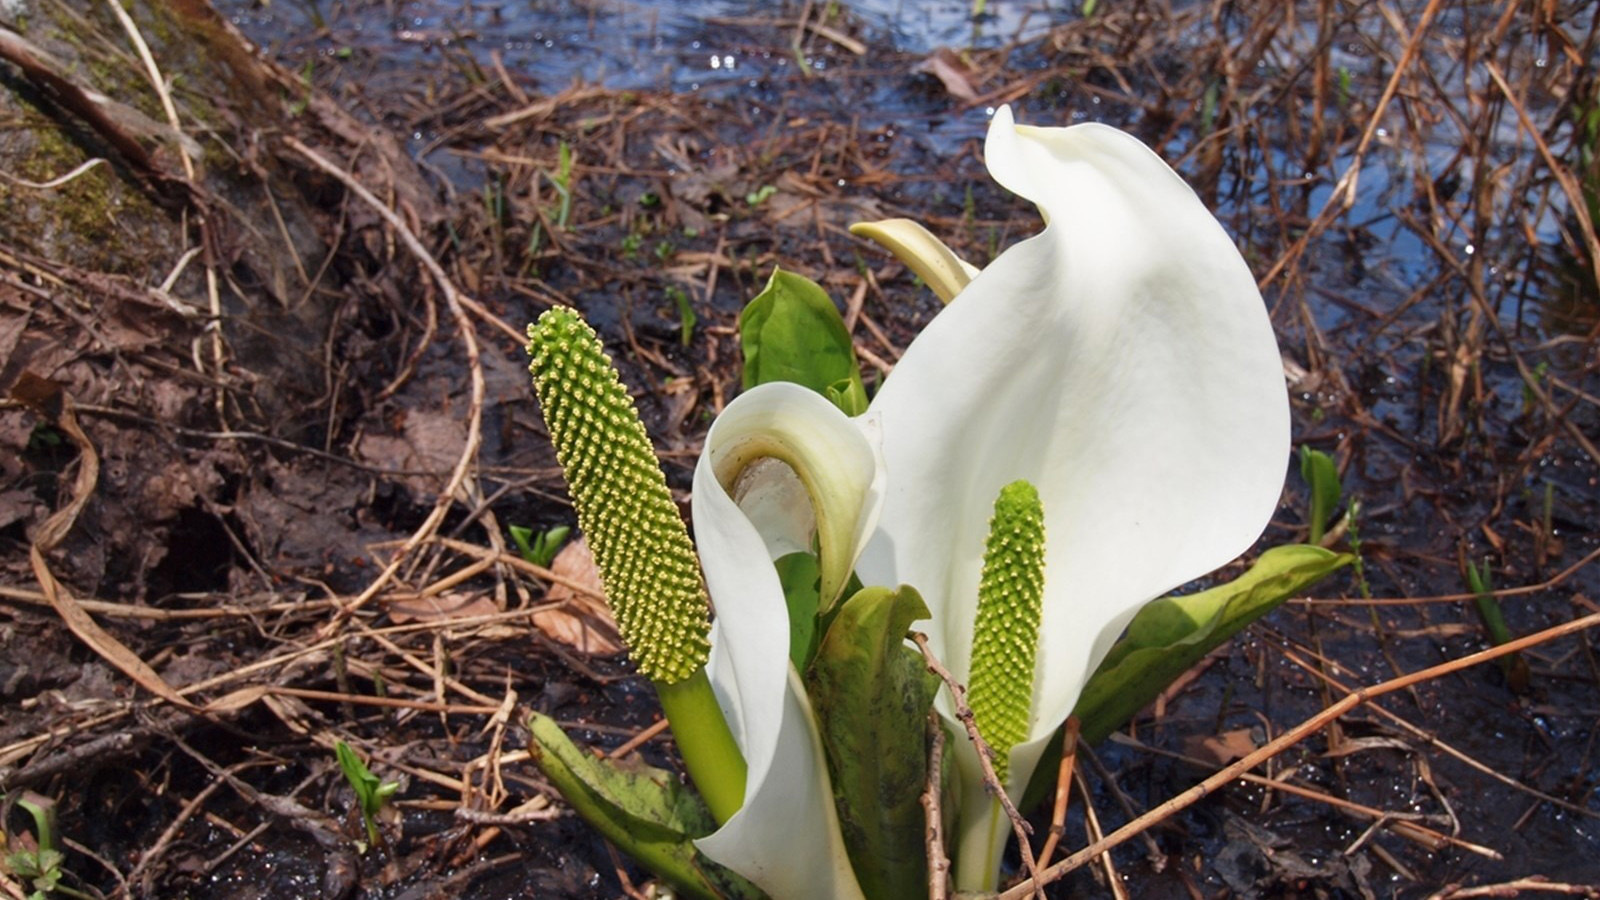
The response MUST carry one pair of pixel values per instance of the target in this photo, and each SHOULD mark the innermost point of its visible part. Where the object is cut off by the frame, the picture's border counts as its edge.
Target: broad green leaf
(1322, 475)
(1171, 634)
(872, 694)
(792, 332)
(646, 812)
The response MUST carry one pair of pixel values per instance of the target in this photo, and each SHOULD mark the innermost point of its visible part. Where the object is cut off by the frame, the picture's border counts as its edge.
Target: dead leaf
(430, 442)
(441, 608)
(579, 619)
(51, 533)
(237, 700)
(19, 506)
(800, 202)
(1221, 748)
(946, 66)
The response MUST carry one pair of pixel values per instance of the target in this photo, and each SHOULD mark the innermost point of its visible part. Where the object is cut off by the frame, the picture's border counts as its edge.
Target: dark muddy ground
(265, 530)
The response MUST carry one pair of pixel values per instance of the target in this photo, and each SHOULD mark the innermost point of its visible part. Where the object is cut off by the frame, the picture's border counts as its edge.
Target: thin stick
(958, 696)
(1433, 740)
(1058, 814)
(639, 739)
(1518, 591)
(1285, 741)
(1577, 205)
(1152, 850)
(1091, 823)
(938, 862)
(1536, 884)
(53, 183)
(157, 83)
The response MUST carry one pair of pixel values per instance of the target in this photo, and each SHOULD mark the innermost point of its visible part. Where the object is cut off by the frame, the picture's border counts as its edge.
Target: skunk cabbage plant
(1120, 361)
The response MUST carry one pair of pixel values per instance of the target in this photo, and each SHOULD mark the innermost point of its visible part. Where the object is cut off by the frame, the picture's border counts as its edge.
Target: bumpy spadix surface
(1006, 633)
(640, 544)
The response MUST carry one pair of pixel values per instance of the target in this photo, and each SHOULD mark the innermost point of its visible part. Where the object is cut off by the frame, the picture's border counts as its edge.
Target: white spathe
(1121, 360)
(785, 838)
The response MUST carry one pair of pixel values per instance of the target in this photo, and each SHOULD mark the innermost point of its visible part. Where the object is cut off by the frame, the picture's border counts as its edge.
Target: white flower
(1121, 361)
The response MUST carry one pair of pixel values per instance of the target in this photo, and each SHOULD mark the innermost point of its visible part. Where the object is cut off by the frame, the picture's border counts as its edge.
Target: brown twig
(1064, 779)
(933, 815)
(958, 699)
(1344, 191)
(1434, 741)
(1536, 884)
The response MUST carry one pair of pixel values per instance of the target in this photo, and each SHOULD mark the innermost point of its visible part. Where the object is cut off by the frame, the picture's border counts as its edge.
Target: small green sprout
(1512, 665)
(539, 549)
(686, 316)
(43, 437)
(371, 793)
(760, 195)
(562, 182)
(631, 242)
(1530, 398)
(1321, 474)
(299, 106)
(39, 866)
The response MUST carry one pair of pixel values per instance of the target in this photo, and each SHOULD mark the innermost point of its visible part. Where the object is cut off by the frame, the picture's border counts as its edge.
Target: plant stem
(715, 764)
(981, 834)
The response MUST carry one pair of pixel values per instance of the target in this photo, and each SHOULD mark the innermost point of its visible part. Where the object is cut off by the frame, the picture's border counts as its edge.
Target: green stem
(715, 764)
(982, 832)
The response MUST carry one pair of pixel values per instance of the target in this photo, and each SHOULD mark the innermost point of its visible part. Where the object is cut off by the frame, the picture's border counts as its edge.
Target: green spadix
(640, 544)
(1005, 638)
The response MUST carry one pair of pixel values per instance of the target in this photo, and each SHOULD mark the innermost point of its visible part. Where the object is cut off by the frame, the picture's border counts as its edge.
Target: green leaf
(371, 792)
(1513, 665)
(521, 536)
(1322, 474)
(646, 812)
(1171, 634)
(871, 694)
(539, 549)
(792, 331)
(800, 574)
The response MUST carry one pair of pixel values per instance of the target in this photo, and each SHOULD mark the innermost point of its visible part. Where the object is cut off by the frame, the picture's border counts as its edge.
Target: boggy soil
(265, 435)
